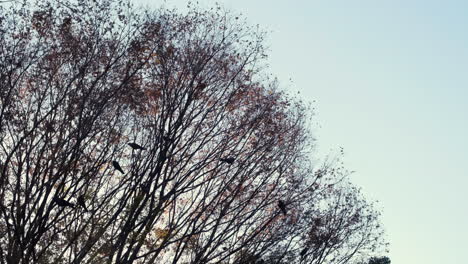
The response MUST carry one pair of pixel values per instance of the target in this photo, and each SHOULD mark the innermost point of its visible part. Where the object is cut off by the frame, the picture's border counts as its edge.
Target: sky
(390, 81)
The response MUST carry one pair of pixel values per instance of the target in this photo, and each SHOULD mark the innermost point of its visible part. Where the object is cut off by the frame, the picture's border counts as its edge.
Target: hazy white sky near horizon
(390, 80)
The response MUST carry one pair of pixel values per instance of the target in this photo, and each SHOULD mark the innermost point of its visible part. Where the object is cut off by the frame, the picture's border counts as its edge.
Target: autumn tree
(135, 136)
(379, 260)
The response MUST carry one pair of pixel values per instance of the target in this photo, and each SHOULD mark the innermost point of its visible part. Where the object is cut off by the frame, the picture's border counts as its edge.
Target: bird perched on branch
(168, 139)
(81, 202)
(282, 206)
(117, 166)
(63, 203)
(201, 86)
(171, 192)
(135, 146)
(145, 187)
(229, 160)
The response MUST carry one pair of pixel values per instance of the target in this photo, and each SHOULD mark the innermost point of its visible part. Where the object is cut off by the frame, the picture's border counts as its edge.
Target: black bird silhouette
(166, 138)
(169, 194)
(136, 146)
(201, 86)
(81, 202)
(145, 187)
(282, 206)
(229, 160)
(62, 202)
(117, 166)
(304, 251)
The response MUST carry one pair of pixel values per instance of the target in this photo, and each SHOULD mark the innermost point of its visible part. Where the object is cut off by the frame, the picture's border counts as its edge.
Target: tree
(80, 80)
(381, 260)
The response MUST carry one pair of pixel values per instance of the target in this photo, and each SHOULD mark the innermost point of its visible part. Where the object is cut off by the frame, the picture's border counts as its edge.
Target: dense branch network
(132, 136)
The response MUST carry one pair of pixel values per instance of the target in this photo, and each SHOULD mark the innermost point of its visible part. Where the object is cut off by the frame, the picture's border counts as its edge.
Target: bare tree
(131, 136)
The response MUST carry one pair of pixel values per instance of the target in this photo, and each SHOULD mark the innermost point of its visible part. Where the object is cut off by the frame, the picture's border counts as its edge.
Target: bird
(304, 251)
(81, 202)
(169, 194)
(201, 86)
(117, 166)
(62, 202)
(145, 187)
(166, 138)
(282, 206)
(229, 160)
(136, 146)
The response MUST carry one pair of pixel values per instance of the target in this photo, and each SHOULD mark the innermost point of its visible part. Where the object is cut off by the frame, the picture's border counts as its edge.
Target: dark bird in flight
(282, 206)
(81, 202)
(229, 160)
(62, 202)
(136, 146)
(117, 166)
(304, 251)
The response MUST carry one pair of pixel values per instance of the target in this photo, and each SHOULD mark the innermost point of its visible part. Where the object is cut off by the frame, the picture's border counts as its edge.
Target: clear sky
(390, 80)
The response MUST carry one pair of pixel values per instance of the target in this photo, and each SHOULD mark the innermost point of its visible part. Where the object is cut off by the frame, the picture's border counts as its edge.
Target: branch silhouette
(216, 155)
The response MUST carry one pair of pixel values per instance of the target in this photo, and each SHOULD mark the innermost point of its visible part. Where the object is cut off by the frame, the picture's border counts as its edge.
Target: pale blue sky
(391, 83)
